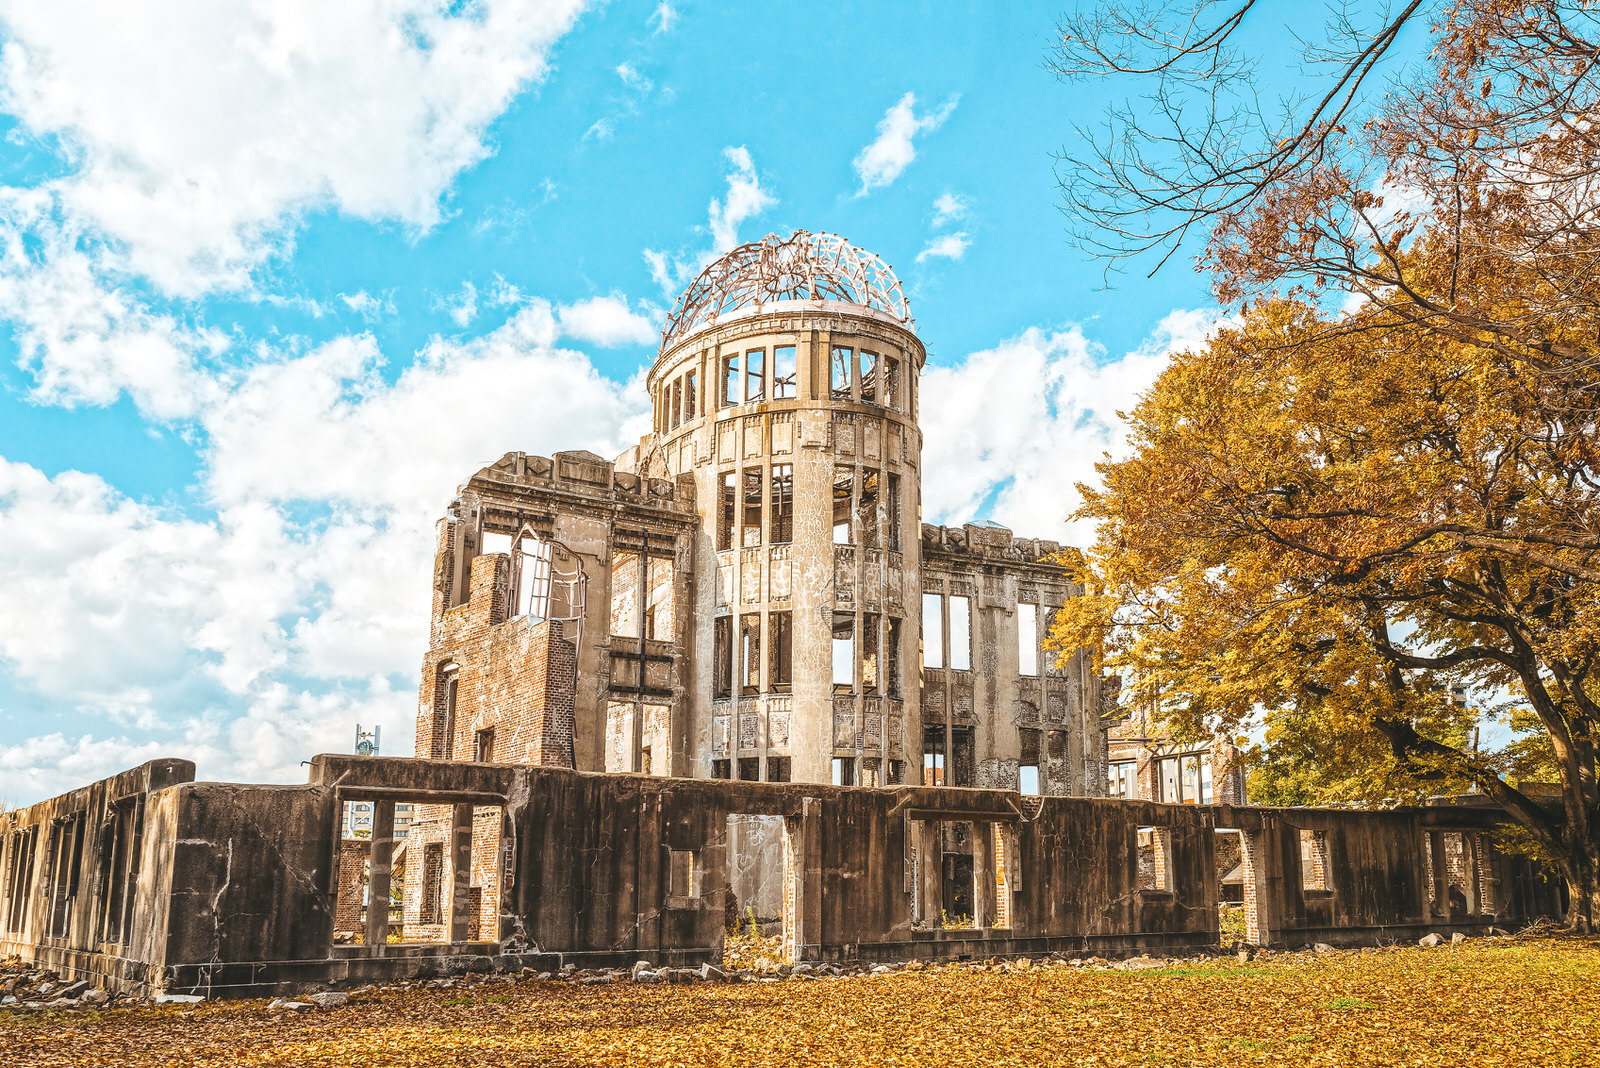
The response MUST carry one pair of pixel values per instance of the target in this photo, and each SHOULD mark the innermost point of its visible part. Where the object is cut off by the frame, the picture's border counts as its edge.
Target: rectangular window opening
(1121, 776)
(727, 509)
(871, 664)
(844, 771)
(750, 654)
(1028, 639)
(780, 641)
(778, 769)
(839, 380)
(783, 372)
(722, 769)
(1313, 860)
(867, 507)
(932, 630)
(722, 668)
(625, 599)
(1154, 852)
(844, 482)
(782, 525)
(432, 882)
(960, 634)
(675, 404)
(660, 622)
(751, 535)
(892, 515)
(891, 657)
(683, 873)
(891, 383)
(690, 384)
(483, 746)
(869, 377)
(933, 773)
(844, 652)
(729, 390)
(755, 375)
(750, 769)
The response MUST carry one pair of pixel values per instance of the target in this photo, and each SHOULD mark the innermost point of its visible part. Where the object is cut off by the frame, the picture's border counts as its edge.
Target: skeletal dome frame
(802, 266)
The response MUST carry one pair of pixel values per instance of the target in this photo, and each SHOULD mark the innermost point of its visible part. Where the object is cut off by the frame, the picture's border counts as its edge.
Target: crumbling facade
(730, 670)
(763, 601)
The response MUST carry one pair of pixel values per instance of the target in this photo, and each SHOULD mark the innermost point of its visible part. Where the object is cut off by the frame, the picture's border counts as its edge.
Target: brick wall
(352, 886)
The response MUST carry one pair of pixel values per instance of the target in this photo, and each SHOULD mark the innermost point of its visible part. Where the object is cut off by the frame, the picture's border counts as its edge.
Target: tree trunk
(1581, 869)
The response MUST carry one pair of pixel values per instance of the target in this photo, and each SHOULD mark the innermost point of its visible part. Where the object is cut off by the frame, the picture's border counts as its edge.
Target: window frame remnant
(841, 372)
(444, 718)
(483, 745)
(755, 375)
(785, 384)
(750, 515)
(727, 510)
(781, 526)
(728, 388)
(749, 666)
(868, 374)
(722, 657)
(780, 643)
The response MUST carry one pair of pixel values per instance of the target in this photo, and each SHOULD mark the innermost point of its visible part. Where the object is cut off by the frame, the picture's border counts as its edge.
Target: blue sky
(276, 277)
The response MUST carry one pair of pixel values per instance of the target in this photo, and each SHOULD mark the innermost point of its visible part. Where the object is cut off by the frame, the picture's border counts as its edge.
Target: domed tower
(786, 385)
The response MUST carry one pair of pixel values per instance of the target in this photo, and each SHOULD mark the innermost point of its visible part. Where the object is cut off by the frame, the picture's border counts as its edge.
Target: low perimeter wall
(154, 883)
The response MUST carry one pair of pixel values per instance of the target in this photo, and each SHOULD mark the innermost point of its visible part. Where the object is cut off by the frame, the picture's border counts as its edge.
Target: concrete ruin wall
(236, 888)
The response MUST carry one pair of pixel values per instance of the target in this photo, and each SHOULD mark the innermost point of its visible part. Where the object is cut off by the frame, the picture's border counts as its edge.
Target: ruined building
(730, 668)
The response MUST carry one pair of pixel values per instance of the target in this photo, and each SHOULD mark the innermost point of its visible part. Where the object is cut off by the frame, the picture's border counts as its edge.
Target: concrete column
(1440, 905)
(930, 870)
(460, 873)
(380, 870)
(983, 889)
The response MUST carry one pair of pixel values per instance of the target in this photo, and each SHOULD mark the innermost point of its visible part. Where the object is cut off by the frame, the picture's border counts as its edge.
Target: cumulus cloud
(605, 321)
(945, 246)
(882, 161)
(1010, 430)
(744, 198)
(371, 109)
(948, 208)
(664, 17)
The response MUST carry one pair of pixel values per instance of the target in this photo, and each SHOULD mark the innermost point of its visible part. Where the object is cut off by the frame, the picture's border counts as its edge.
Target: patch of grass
(1348, 1004)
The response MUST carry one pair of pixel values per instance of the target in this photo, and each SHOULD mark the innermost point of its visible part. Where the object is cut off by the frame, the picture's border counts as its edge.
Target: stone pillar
(380, 872)
(983, 887)
(461, 874)
(1261, 882)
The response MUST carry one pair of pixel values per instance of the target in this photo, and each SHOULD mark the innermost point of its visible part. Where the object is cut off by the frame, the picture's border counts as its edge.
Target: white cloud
(372, 109)
(881, 162)
(50, 764)
(1010, 430)
(946, 246)
(744, 199)
(606, 321)
(948, 208)
(601, 130)
(633, 79)
(367, 306)
(664, 17)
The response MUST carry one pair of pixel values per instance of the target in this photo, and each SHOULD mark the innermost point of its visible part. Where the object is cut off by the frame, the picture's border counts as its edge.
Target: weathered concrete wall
(237, 886)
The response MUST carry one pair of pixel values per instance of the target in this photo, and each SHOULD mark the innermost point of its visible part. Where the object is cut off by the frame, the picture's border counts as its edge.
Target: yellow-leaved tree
(1384, 472)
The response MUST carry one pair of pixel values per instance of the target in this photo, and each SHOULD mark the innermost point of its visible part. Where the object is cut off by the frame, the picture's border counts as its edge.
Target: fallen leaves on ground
(1492, 1002)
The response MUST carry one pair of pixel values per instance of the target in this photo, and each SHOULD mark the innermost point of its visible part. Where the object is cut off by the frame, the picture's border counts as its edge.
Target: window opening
(752, 507)
(755, 375)
(726, 508)
(960, 634)
(1313, 860)
(844, 480)
(683, 873)
(19, 874)
(780, 638)
(891, 657)
(483, 746)
(533, 559)
(730, 380)
(750, 769)
(891, 383)
(933, 773)
(871, 669)
(646, 763)
(1154, 851)
(892, 506)
(963, 756)
(690, 382)
(867, 507)
(1028, 769)
(1028, 639)
(782, 504)
(897, 772)
(844, 652)
(778, 769)
(722, 669)
(444, 718)
(783, 372)
(722, 769)
(1121, 779)
(844, 771)
(933, 630)
(750, 654)
(660, 622)
(432, 882)
(674, 405)
(840, 379)
(869, 377)
(625, 594)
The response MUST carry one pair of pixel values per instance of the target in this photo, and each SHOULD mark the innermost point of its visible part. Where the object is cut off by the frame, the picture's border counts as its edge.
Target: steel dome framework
(802, 266)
